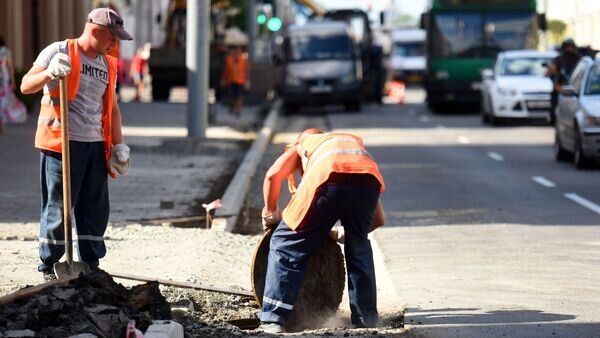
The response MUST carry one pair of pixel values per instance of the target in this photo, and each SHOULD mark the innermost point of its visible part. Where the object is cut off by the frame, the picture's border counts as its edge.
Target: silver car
(577, 133)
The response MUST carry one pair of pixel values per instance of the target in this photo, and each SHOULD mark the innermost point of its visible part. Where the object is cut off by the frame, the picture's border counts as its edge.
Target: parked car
(577, 129)
(321, 65)
(407, 57)
(517, 86)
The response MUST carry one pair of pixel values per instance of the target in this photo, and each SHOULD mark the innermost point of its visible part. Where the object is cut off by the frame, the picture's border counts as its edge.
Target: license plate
(538, 104)
(414, 78)
(320, 89)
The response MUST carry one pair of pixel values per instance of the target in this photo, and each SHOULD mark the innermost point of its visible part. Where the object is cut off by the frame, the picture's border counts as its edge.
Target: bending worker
(340, 181)
(95, 137)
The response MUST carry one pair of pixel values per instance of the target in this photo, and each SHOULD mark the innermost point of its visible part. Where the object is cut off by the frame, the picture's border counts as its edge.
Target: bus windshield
(473, 34)
(314, 47)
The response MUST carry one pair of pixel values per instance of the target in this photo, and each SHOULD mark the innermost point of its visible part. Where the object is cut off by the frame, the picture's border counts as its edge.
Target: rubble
(92, 303)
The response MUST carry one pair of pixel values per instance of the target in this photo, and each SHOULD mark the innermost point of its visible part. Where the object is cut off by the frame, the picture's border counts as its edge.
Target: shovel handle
(66, 170)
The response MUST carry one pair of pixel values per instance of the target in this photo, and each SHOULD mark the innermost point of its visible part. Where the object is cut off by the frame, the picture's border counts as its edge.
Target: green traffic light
(274, 24)
(261, 19)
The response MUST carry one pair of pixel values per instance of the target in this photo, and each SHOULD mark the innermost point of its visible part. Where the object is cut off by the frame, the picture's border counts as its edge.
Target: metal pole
(196, 60)
(251, 28)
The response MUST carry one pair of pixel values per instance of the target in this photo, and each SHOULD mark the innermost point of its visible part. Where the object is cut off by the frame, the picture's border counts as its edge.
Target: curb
(226, 217)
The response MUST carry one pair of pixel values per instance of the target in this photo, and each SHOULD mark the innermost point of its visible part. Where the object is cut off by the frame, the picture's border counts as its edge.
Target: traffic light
(274, 24)
(261, 18)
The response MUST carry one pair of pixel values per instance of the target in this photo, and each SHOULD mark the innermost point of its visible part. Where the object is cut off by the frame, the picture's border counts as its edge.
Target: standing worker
(340, 181)
(235, 79)
(7, 79)
(96, 140)
(560, 71)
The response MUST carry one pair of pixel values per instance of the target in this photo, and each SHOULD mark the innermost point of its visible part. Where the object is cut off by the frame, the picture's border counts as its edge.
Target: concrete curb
(233, 199)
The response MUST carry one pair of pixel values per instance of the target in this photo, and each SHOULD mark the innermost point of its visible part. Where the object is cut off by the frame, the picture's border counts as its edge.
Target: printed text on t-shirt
(94, 72)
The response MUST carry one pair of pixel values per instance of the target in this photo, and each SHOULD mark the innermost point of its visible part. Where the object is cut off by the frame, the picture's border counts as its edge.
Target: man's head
(104, 26)
(568, 46)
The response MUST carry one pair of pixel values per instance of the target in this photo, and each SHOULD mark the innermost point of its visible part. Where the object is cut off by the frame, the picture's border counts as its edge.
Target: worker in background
(560, 70)
(235, 79)
(340, 181)
(95, 136)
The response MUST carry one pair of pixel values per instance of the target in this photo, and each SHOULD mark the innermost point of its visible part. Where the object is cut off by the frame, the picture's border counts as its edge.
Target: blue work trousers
(290, 250)
(89, 198)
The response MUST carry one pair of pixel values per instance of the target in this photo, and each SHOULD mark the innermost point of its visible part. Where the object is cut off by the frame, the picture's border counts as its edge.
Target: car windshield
(315, 47)
(524, 66)
(592, 87)
(406, 49)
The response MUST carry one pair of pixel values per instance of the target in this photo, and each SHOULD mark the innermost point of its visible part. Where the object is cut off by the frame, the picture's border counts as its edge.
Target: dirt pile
(92, 303)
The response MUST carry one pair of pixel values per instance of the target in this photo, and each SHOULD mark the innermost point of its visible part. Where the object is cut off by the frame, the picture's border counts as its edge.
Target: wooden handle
(66, 169)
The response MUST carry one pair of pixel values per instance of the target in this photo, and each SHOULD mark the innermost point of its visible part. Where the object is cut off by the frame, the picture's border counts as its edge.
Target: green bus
(465, 36)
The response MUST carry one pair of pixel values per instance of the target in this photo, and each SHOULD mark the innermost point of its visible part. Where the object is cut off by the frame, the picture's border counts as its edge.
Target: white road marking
(582, 201)
(543, 181)
(441, 126)
(495, 156)
(463, 140)
(424, 119)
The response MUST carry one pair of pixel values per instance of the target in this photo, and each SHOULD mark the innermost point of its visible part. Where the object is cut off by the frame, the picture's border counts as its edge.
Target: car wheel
(353, 106)
(560, 153)
(579, 158)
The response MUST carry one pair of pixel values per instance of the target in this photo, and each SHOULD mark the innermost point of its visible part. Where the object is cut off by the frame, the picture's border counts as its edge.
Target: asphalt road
(486, 235)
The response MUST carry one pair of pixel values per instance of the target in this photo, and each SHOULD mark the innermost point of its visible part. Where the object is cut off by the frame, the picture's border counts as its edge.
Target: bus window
(511, 30)
(459, 35)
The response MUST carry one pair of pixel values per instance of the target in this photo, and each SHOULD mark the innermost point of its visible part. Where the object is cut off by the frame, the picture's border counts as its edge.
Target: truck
(407, 56)
(463, 37)
(373, 70)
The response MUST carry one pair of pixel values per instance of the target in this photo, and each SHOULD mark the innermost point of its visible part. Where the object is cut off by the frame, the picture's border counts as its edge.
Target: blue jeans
(290, 250)
(89, 198)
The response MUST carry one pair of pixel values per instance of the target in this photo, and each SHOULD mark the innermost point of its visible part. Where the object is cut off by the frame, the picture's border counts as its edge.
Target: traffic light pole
(196, 60)
(251, 28)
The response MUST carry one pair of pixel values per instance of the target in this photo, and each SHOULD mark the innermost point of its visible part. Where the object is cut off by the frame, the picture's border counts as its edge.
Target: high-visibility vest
(236, 71)
(48, 135)
(322, 155)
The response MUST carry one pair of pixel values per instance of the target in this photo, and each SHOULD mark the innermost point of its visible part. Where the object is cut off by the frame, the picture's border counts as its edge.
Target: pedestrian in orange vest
(95, 137)
(340, 181)
(235, 79)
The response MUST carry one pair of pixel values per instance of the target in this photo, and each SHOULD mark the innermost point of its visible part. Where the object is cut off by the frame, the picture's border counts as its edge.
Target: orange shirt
(236, 70)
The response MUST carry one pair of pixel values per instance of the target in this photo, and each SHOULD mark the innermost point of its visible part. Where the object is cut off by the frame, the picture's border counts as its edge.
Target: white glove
(337, 234)
(60, 66)
(119, 159)
(270, 220)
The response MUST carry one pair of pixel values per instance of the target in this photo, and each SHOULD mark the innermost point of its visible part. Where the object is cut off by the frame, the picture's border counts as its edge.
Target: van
(321, 65)
(407, 57)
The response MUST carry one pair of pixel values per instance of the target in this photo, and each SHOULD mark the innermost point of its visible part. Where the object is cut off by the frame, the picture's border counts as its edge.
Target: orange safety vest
(48, 135)
(236, 72)
(323, 154)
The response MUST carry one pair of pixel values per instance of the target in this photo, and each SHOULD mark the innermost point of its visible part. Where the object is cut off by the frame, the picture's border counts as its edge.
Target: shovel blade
(65, 270)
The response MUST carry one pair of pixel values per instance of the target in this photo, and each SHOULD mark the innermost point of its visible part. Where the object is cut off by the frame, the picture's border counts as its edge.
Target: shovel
(69, 268)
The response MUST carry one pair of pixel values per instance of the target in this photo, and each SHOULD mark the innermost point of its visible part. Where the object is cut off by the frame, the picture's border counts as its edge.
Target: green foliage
(557, 29)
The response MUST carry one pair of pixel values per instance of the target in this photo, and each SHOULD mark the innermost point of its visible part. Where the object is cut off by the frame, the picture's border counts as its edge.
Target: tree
(557, 30)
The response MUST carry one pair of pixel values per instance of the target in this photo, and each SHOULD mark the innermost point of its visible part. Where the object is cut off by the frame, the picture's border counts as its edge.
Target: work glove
(60, 66)
(119, 159)
(270, 220)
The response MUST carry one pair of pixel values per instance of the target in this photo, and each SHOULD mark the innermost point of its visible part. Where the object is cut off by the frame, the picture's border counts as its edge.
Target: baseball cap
(110, 19)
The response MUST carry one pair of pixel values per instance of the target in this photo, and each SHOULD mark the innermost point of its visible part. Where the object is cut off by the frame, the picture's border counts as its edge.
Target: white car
(517, 88)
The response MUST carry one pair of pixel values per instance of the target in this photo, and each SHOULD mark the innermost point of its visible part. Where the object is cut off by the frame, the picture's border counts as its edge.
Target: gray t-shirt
(85, 111)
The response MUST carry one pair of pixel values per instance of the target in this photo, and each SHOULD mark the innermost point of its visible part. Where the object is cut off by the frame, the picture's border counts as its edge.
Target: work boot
(271, 328)
(49, 276)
